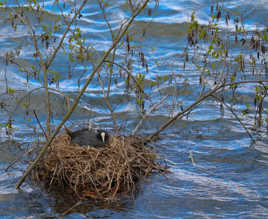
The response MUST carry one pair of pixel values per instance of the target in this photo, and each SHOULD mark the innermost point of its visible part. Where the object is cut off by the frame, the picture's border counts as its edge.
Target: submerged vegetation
(223, 72)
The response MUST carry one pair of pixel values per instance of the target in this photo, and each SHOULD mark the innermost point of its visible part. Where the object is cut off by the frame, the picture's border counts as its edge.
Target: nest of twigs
(97, 173)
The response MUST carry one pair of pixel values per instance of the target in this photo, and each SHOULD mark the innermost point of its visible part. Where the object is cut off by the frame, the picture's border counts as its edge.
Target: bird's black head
(103, 136)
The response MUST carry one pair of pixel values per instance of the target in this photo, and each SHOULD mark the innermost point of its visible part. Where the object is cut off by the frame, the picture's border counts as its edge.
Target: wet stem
(48, 109)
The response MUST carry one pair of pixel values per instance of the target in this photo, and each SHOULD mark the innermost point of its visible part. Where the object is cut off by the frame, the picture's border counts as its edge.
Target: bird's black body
(95, 138)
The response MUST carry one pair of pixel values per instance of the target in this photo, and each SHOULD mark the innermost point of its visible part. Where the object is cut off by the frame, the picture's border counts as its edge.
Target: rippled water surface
(227, 177)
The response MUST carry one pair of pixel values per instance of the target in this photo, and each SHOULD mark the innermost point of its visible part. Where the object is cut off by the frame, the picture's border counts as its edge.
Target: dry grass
(96, 173)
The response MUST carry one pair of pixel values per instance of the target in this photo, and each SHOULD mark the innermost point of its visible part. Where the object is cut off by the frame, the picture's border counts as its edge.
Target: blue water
(227, 175)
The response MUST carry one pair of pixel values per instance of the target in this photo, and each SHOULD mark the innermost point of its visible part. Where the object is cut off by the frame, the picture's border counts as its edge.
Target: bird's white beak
(103, 137)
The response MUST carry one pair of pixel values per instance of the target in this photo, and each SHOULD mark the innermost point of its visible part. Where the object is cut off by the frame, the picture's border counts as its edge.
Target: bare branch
(76, 101)
(154, 107)
(40, 125)
(106, 99)
(197, 102)
(130, 75)
(235, 115)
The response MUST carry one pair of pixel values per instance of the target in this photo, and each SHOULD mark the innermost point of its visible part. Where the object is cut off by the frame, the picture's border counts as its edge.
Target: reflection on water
(227, 175)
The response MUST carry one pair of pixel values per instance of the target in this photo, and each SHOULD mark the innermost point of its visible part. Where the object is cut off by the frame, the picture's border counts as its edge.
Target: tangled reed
(97, 173)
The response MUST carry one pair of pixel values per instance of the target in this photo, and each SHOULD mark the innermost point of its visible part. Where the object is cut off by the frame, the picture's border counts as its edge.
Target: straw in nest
(98, 173)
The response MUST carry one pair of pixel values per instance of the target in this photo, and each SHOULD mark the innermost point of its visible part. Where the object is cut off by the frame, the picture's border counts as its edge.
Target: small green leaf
(165, 78)
(56, 28)
(232, 78)
(8, 125)
(25, 105)
(154, 83)
(11, 91)
(265, 37)
(213, 66)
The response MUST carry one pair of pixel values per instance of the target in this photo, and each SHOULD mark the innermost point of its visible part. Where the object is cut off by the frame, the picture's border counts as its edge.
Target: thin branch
(106, 99)
(197, 102)
(40, 125)
(70, 209)
(18, 159)
(107, 94)
(131, 6)
(105, 18)
(43, 67)
(38, 88)
(235, 115)
(6, 81)
(130, 75)
(51, 59)
(76, 101)
(65, 34)
(22, 98)
(150, 111)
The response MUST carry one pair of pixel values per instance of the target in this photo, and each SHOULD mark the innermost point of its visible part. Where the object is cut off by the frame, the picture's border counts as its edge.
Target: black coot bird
(92, 137)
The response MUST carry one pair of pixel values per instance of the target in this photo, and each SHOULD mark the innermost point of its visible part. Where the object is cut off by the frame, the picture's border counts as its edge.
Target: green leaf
(165, 78)
(213, 66)
(265, 37)
(154, 83)
(25, 105)
(202, 34)
(56, 28)
(8, 125)
(192, 17)
(232, 78)
(210, 47)
(11, 91)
